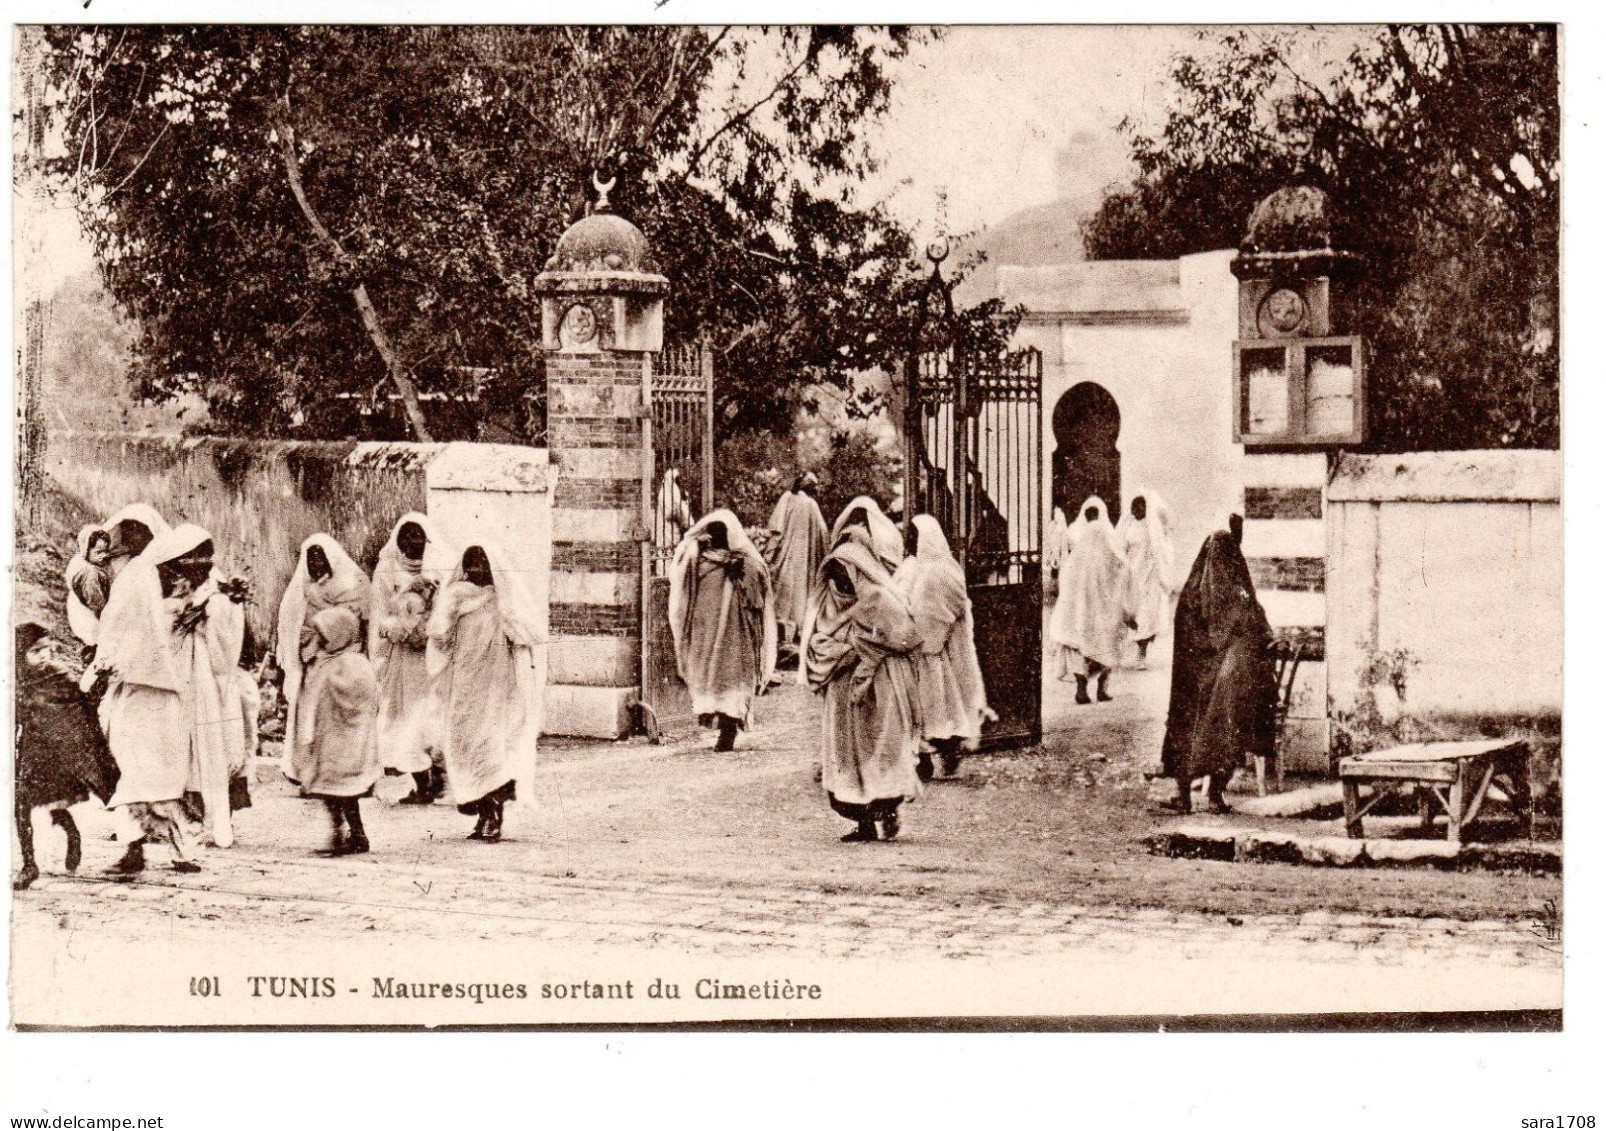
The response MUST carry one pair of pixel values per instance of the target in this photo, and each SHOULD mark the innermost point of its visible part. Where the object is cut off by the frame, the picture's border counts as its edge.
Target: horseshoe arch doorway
(1087, 460)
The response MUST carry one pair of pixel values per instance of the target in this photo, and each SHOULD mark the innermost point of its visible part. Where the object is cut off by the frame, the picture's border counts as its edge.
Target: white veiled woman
(722, 617)
(174, 710)
(858, 656)
(485, 651)
(1059, 533)
(325, 577)
(1089, 618)
(132, 529)
(1151, 559)
(953, 697)
(412, 567)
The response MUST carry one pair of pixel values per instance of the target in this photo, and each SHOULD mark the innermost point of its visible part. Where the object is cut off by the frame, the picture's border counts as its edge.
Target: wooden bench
(1456, 775)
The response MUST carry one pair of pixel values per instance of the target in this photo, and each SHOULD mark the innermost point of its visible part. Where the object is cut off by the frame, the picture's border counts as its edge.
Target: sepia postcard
(989, 527)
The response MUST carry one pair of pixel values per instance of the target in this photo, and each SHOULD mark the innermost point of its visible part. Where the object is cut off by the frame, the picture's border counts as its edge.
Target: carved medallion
(579, 327)
(1282, 312)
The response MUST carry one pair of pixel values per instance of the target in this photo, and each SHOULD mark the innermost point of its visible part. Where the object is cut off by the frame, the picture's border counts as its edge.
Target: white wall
(1455, 558)
(1171, 380)
(503, 493)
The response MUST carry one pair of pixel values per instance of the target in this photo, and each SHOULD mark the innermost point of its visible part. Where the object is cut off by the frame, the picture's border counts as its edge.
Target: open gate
(682, 399)
(973, 423)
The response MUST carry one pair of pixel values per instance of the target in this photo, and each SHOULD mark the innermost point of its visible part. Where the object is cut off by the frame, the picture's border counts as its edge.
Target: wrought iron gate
(973, 424)
(682, 398)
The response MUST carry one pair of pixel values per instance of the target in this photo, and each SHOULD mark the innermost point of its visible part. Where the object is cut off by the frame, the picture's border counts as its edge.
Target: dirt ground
(1025, 853)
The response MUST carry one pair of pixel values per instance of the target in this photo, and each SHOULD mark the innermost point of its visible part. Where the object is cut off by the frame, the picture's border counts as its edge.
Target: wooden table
(1456, 775)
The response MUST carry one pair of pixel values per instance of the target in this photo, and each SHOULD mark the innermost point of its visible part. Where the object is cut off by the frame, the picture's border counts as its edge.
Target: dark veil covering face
(1223, 684)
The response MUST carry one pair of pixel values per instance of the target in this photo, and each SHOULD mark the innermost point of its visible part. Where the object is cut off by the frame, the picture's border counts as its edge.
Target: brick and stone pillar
(1285, 543)
(601, 315)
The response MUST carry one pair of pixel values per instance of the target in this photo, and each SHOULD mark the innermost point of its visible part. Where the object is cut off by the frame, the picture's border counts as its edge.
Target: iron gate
(974, 433)
(682, 398)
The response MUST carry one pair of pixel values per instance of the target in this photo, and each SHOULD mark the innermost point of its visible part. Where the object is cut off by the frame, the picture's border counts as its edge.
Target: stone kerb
(601, 315)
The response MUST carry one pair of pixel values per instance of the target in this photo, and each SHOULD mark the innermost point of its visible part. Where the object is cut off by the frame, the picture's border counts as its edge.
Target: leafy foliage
(753, 468)
(308, 222)
(1439, 146)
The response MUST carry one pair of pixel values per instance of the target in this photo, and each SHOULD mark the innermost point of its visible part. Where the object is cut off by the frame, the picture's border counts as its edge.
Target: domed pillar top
(602, 289)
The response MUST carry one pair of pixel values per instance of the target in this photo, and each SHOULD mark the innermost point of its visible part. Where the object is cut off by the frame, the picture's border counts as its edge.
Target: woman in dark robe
(61, 755)
(722, 617)
(1223, 684)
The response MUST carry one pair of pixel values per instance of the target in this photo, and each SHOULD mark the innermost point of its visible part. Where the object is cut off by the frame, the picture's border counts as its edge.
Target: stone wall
(1157, 336)
(1444, 598)
(259, 498)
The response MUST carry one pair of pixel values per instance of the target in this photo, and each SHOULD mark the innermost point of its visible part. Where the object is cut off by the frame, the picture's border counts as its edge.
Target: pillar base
(573, 711)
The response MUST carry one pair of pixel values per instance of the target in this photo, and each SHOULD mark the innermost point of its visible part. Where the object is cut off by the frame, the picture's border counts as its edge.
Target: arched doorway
(1087, 423)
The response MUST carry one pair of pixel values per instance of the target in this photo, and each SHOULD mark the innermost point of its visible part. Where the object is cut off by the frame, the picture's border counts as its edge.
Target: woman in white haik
(1151, 560)
(952, 697)
(1059, 546)
(1089, 618)
(864, 519)
(325, 577)
(89, 584)
(411, 569)
(132, 530)
(722, 616)
(173, 711)
(485, 650)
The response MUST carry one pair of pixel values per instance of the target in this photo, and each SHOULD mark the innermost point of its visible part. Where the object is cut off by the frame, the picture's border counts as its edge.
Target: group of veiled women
(881, 625)
(448, 690)
(169, 723)
(430, 669)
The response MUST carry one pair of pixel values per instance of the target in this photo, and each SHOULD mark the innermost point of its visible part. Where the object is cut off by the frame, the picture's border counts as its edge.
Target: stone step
(1201, 841)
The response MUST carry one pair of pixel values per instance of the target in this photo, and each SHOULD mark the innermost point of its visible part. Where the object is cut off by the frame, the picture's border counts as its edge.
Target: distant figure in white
(797, 519)
(722, 616)
(952, 697)
(863, 521)
(673, 511)
(1151, 563)
(483, 639)
(1089, 619)
(325, 577)
(1058, 547)
(412, 567)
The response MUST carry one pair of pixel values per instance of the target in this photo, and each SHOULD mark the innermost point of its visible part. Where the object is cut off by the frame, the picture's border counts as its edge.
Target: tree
(1439, 146)
(308, 222)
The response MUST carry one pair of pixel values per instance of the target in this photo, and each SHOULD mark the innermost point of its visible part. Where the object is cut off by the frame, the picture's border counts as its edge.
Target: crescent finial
(603, 187)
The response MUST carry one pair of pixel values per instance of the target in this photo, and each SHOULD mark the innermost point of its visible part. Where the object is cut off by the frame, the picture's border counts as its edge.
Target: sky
(980, 115)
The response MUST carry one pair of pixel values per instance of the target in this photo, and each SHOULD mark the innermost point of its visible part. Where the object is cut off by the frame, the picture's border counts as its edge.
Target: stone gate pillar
(601, 315)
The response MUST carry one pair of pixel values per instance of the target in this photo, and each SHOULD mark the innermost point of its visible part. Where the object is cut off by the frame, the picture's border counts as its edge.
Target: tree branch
(731, 123)
(399, 376)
